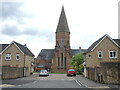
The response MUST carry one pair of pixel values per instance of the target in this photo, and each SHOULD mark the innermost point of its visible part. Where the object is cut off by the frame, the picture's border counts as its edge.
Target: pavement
(17, 81)
(92, 84)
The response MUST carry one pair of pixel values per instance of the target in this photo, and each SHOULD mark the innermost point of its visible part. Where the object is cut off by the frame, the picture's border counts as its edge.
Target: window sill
(112, 58)
(100, 58)
(7, 60)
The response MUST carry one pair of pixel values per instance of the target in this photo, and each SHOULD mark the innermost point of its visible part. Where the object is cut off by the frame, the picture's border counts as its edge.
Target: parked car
(71, 72)
(43, 73)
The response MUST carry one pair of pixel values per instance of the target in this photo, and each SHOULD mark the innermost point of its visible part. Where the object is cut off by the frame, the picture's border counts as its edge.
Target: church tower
(62, 52)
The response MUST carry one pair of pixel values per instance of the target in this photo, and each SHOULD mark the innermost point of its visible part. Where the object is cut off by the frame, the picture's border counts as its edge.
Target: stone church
(58, 59)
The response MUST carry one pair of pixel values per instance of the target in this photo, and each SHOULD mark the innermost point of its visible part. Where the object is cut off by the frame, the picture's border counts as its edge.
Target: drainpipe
(24, 69)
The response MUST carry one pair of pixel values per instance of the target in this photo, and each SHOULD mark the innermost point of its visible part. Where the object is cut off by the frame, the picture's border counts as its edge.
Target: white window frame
(18, 56)
(8, 56)
(112, 54)
(99, 54)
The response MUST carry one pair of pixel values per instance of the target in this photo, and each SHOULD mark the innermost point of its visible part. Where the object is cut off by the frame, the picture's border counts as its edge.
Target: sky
(34, 22)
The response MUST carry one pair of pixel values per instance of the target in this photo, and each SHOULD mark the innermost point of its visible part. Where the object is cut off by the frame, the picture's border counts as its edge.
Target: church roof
(46, 54)
(76, 51)
(62, 24)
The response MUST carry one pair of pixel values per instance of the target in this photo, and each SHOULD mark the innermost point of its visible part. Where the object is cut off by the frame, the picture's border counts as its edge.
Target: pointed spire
(62, 24)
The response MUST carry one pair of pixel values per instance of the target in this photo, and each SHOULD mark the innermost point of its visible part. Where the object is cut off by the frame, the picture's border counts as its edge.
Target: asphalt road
(52, 81)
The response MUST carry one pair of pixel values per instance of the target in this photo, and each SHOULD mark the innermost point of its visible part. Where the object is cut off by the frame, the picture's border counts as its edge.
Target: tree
(76, 62)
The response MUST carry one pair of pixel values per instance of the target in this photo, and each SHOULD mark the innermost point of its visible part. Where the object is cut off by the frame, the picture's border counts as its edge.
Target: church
(58, 59)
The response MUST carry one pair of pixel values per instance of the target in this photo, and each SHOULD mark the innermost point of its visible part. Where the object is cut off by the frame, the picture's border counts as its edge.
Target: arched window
(61, 59)
(65, 62)
(58, 61)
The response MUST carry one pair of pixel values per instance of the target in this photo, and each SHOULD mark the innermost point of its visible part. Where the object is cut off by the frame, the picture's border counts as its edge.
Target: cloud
(14, 11)
(10, 9)
(11, 30)
(15, 31)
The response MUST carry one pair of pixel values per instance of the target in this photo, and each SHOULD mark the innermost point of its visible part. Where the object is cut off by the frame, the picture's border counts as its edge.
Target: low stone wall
(108, 72)
(91, 73)
(111, 72)
(11, 72)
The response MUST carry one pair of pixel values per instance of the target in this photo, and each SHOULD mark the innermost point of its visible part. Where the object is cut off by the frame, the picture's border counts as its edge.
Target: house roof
(117, 41)
(92, 47)
(46, 54)
(22, 48)
(62, 24)
(3, 46)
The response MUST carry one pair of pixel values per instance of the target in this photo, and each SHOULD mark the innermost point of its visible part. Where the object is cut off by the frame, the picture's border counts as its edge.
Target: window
(65, 62)
(89, 55)
(99, 54)
(58, 61)
(62, 40)
(113, 54)
(17, 56)
(61, 59)
(8, 57)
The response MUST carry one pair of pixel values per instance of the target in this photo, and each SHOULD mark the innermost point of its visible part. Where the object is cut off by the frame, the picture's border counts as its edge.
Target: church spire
(62, 24)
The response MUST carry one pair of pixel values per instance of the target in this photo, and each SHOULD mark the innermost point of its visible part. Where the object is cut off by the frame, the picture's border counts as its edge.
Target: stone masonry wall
(11, 72)
(110, 72)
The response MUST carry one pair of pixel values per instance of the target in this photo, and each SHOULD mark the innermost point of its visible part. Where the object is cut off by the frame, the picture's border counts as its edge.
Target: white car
(43, 73)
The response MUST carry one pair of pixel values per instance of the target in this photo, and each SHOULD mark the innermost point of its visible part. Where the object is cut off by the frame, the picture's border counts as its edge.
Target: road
(52, 81)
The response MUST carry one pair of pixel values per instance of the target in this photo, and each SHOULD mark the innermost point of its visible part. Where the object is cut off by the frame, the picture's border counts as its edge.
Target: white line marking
(35, 81)
(77, 82)
(83, 84)
(92, 87)
(6, 85)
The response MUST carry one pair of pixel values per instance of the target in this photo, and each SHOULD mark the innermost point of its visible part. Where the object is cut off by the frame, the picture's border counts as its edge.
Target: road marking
(83, 84)
(6, 85)
(100, 87)
(92, 87)
(35, 81)
(77, 82)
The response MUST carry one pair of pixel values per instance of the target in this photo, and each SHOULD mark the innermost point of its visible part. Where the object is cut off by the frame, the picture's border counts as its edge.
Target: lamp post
(24, 68)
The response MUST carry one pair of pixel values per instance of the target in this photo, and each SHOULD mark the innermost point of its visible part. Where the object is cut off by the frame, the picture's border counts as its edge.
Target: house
(58, 59)
(102, 60)
(15, 59)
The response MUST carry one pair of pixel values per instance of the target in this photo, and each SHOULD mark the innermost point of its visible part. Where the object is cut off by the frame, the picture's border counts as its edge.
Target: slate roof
(117, 41)
(62, 24)
(46, 54)
(24, 49)
(21, 47)
(75, 51)
(3, 46)
(96, 42)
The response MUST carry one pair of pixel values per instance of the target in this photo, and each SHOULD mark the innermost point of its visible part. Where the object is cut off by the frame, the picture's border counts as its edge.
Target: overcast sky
(34, 22)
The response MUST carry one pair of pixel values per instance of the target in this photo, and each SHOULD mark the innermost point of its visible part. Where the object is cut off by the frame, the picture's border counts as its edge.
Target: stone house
(15, 55)
(58, 59)
(102, 60)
